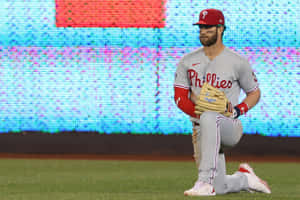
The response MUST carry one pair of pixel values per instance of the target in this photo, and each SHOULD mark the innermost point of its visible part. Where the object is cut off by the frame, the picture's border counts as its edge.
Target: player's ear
(221, 28)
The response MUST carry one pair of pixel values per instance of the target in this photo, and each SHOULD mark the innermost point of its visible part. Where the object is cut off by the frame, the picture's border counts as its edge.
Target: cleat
(254, 182)
(201, 189)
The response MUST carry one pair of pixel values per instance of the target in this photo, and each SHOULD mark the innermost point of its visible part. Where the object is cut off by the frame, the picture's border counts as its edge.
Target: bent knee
(229, 143)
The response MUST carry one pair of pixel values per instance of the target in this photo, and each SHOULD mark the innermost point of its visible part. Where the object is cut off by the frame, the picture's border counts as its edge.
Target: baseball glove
(212, 99)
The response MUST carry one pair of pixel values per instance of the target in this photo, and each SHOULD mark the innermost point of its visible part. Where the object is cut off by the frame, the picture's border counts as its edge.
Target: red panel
(110, 13)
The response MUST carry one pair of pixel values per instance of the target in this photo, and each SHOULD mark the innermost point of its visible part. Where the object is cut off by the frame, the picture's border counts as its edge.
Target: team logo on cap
(204, 14)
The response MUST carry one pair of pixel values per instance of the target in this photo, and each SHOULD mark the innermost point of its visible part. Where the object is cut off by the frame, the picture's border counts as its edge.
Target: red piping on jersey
(183, 102)
(252, 90)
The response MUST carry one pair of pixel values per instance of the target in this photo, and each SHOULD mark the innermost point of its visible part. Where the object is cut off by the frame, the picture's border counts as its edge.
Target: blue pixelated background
(120, 80)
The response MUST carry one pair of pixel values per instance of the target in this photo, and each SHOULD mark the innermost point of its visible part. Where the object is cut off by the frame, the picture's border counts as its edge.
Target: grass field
(29, 179)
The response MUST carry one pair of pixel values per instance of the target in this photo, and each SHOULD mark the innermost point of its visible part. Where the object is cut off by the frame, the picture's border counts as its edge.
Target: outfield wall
(127, 144)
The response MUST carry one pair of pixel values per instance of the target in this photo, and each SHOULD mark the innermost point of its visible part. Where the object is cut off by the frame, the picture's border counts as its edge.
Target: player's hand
(229, 107)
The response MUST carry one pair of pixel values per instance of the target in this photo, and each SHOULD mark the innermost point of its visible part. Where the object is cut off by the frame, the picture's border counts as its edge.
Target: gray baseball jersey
(228, 72)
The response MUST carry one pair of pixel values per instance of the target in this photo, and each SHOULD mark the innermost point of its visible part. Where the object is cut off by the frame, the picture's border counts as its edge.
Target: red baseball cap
(211, 17)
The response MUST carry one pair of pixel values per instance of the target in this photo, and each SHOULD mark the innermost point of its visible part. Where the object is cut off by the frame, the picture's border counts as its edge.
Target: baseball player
(218, 66)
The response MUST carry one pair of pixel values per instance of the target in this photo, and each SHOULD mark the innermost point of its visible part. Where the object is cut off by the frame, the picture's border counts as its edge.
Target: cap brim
(200, 22)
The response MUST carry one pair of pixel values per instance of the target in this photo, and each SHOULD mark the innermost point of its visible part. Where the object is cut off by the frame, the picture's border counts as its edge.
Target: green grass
(23, 179)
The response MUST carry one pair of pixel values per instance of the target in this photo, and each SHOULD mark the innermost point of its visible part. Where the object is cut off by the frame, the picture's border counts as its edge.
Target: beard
(209, 41)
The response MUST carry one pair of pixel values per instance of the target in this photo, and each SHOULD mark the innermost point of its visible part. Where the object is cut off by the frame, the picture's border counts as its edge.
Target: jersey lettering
(210, 78)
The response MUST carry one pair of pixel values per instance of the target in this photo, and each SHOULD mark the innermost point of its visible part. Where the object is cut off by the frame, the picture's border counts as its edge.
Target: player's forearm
(183, 102)
(252, 98)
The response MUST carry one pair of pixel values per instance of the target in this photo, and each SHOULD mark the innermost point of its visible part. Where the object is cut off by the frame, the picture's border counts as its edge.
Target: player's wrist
(240, 109)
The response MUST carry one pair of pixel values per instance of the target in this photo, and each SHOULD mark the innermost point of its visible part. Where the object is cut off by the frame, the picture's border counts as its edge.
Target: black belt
(196, 124)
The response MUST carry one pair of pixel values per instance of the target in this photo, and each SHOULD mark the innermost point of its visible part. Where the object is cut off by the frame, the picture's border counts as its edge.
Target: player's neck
(214, 50)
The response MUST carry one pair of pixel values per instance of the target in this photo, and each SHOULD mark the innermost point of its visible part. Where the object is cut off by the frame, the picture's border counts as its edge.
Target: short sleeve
(247, 77)
(181, 77)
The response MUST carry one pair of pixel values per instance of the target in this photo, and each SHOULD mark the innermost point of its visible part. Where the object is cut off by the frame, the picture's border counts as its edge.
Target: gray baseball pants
(214, 131)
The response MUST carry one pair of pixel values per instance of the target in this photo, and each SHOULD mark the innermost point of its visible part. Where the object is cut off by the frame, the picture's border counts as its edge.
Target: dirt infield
(240, 158)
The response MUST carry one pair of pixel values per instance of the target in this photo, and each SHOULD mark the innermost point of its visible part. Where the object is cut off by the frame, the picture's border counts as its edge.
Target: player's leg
(230, 134)
(228, 183)
(244, 178)
(196, 146)
(209, 142)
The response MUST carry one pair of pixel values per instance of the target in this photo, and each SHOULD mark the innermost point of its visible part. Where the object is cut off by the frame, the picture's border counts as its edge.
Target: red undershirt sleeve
(183, 102)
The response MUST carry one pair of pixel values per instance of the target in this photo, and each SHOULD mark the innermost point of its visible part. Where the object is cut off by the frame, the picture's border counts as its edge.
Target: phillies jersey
(229, 72)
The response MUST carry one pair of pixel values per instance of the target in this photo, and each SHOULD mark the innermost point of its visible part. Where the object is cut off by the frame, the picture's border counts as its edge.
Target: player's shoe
(201, 189)
(254, 182)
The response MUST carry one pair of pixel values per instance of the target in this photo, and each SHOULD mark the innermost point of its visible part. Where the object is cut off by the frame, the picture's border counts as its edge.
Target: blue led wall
(120, 80)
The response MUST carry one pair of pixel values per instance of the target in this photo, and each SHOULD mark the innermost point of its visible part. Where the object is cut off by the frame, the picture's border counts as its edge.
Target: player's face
(208, 35)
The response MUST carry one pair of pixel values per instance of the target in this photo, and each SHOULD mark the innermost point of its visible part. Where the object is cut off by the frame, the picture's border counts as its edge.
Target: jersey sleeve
(181, 77)
(247, 78)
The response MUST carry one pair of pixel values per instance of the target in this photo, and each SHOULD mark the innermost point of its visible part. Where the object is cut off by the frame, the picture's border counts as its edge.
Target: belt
(196, 124)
